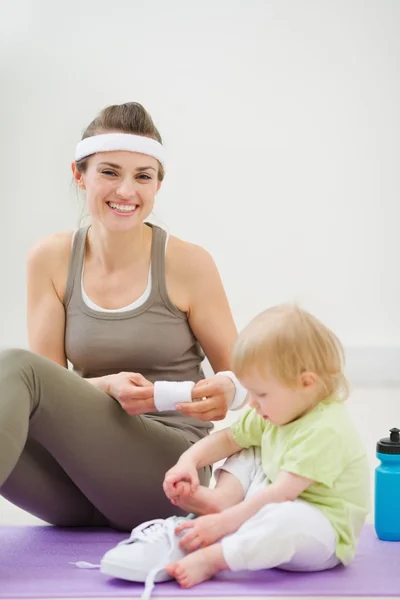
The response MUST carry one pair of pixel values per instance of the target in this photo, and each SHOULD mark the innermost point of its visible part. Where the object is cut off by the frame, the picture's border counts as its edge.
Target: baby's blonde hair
(285, 341)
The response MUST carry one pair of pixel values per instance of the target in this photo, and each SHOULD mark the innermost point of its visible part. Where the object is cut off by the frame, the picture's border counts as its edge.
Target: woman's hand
(134, 393)
(212, 397)
(182, 479)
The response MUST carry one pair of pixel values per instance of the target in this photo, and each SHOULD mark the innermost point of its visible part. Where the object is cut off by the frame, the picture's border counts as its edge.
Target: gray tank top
(154, 339)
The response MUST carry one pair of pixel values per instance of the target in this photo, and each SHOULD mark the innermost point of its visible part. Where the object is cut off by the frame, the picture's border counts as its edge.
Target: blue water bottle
(387, 488)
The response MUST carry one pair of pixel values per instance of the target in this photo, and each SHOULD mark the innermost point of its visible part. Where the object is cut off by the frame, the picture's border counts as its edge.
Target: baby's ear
(308, 379)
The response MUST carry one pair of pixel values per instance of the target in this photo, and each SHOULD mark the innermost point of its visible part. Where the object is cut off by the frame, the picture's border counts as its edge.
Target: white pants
(295, 536)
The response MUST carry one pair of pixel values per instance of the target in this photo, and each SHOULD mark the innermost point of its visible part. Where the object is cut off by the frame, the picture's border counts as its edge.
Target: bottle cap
(390, 445)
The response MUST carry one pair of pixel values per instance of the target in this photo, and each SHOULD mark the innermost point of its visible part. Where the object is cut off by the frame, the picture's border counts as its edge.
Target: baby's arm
(208, 529)
(287, 487)
(207, 451)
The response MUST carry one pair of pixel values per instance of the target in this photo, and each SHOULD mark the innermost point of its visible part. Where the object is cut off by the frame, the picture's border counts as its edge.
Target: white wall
(282, 127)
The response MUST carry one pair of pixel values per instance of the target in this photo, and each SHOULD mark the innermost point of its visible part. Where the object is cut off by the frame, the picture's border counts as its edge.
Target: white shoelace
(150, 531)
(157, 530)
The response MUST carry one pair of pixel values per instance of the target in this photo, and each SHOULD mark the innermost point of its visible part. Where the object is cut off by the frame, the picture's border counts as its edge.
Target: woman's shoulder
(51, 255)
(187, 258)
(51, 248)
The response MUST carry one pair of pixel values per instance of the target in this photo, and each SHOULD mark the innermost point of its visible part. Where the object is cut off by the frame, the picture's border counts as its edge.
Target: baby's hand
(202, 532)
(181, 480)
(182, 491)
(183, 488)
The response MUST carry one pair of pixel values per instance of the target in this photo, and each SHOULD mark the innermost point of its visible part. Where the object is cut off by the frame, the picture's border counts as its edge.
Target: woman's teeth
(122, 207)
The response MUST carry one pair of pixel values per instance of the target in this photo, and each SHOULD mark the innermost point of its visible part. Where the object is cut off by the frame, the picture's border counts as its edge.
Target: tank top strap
(158, 256)
(158, 252)
(76, 264)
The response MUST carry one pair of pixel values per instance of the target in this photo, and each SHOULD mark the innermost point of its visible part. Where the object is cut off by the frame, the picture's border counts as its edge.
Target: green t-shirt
(324, 446)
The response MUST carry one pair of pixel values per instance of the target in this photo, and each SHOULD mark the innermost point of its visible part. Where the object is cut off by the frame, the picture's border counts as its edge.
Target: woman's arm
(209, 313)
(47, 272)
(198, 290)
(195, 286)
(45, 310)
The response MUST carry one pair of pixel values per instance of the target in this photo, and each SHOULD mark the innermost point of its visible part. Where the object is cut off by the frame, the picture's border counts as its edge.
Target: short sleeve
(248, 429)
(318, 454)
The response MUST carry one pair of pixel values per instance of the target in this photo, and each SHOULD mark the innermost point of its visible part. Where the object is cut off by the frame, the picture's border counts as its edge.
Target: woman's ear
(78, 176)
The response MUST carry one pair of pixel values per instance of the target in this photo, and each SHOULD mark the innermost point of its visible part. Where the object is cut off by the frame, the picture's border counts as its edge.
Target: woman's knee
(19, 366)
(14, 360)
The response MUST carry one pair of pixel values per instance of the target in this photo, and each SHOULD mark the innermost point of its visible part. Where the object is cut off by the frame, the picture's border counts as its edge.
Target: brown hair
(285, 341)
(130, 117)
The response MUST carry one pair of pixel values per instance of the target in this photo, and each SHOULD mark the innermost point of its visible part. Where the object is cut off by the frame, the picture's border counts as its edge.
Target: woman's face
(120, 188)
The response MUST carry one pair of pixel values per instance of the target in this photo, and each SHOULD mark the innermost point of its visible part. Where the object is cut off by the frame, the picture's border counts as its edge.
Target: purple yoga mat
(34, 563)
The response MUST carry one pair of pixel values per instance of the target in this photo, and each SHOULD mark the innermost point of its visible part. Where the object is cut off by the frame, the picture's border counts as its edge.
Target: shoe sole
(121, 572)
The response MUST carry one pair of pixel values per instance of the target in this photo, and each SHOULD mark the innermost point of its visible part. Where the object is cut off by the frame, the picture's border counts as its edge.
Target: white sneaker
(145, 554)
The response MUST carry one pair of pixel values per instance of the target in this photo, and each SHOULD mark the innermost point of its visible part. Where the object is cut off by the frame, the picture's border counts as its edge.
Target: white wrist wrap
(167, 394)
(240, 392)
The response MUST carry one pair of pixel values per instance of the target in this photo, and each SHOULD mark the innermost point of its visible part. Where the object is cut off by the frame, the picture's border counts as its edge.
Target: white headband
(109, 142)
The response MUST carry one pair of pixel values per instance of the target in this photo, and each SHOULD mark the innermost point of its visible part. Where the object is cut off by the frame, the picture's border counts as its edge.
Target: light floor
(374, 412)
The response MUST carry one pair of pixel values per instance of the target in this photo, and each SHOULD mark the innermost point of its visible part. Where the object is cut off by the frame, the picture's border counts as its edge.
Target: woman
(127, 307)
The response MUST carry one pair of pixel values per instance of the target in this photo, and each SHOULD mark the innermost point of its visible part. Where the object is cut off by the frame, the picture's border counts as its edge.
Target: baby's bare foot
(204, 501)
(198, 566)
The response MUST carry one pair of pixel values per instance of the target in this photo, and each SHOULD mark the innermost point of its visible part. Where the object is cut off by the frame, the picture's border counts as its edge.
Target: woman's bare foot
(198, 566)
(204, 501)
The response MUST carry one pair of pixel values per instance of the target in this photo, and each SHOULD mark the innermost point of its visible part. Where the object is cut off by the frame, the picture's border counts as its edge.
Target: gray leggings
(70, 455)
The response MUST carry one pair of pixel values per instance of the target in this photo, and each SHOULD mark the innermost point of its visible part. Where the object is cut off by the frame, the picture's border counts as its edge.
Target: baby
(294, 493)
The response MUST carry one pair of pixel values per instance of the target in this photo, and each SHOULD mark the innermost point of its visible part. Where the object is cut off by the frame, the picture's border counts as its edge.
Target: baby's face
(276, 402)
